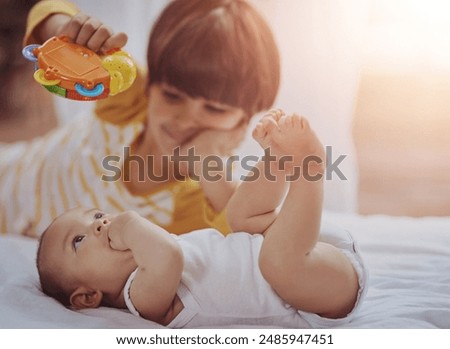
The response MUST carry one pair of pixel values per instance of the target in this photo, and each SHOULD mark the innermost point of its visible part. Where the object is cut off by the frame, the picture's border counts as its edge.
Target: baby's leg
(253, 206)
(307, 274)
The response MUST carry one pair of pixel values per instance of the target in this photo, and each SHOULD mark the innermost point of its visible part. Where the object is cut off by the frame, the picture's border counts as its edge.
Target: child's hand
(84, 30)
(120, 226)
(218, 142)
(212, 142)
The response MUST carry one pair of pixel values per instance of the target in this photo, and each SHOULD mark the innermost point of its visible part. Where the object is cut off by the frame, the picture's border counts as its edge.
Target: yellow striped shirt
(43, 178)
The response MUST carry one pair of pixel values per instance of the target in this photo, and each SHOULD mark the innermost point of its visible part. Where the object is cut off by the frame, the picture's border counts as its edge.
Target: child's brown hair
(221, 50)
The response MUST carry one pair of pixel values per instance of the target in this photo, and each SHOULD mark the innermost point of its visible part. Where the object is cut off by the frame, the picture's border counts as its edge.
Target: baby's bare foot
(265, 127)
(295, 137)
(291, 140)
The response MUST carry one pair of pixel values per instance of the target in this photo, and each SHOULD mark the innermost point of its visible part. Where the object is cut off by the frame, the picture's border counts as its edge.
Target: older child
(283, 276)
(211, 66)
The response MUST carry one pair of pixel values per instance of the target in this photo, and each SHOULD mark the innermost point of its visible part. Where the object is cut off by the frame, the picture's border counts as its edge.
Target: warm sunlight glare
(431, 11)
(402, 117)
(406, 35)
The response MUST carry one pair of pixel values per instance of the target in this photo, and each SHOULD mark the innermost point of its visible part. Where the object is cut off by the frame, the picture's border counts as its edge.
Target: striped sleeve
(41, 11)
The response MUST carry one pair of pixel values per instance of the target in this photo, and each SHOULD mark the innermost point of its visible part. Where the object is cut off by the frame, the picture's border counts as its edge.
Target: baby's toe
(275, 114)
(293, 122)
(299, 122)
(259, 134)
(269, 124)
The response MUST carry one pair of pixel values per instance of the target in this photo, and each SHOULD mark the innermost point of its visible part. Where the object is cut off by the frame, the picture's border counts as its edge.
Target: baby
(283, 271)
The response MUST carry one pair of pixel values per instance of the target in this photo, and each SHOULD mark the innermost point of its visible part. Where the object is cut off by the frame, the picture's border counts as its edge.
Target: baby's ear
(85, 297)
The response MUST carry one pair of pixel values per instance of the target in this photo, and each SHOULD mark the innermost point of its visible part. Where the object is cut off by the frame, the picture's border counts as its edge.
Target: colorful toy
(75, 72)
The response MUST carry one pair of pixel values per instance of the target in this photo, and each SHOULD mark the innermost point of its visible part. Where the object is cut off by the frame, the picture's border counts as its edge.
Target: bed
(409, 285)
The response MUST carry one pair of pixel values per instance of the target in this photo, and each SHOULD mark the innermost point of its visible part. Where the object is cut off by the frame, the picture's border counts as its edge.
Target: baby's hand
(120, 226)
(86, 31)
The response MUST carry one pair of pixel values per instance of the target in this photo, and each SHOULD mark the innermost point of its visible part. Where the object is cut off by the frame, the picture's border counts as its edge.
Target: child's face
(176, 118)
(78, 243)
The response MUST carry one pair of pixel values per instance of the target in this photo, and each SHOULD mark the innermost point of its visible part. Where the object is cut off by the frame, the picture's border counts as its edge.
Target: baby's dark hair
(221, 50)
(49, 276)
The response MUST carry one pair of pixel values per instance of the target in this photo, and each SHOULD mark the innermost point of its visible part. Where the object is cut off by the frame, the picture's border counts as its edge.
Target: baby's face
(78, 243)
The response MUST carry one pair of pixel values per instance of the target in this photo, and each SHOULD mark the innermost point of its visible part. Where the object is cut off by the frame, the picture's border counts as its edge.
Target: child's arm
(54, 18)
(214, 178)
(159, 260)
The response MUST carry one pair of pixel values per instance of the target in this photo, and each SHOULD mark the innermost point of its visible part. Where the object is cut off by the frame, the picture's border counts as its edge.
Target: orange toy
(75, 72)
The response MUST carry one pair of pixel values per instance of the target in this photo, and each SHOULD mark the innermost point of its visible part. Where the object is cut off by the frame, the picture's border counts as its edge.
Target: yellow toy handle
(122, 70)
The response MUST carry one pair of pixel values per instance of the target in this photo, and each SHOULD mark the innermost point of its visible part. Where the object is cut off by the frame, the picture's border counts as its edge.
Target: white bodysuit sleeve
(126, 294)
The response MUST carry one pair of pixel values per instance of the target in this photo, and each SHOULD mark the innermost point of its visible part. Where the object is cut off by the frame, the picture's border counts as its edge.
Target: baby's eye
(77, 240)
(98, 215)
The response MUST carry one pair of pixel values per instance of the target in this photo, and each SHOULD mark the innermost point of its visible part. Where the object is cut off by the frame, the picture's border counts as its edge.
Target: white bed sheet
(409, 284)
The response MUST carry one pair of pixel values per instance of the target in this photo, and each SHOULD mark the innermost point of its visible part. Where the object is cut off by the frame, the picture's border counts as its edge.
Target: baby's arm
(253, 206)
(159, 260)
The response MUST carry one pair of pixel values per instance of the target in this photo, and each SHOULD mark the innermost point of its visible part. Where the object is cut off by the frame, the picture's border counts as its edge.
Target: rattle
(76, 72)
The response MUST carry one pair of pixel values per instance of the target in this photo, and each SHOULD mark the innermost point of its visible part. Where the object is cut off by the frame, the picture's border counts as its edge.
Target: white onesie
(222, 285)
